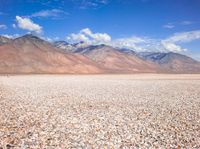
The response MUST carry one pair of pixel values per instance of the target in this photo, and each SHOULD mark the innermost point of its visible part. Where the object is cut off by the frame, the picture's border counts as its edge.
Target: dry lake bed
(99, 111)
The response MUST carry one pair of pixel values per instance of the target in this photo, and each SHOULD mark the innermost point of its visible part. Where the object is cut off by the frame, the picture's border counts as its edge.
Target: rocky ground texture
(100, 111)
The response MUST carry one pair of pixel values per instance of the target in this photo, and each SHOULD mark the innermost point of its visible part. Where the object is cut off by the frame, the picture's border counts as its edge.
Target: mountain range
(29, 54)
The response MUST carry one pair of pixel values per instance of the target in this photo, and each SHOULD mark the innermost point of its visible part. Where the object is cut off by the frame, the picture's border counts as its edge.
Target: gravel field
(100, 111)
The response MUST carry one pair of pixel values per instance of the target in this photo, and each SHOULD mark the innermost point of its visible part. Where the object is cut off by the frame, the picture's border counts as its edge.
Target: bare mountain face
(173, 62)
(116, 61)
(67, 47)
(64, 46)
(30, 54)
(127, 51)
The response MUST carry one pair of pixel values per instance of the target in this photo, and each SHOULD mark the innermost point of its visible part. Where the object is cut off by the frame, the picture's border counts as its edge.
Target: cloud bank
(28, 24)
(170, 43)
(139, 44)
(89, 37)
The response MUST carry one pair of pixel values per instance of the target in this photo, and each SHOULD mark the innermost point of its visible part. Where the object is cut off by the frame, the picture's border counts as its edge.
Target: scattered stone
(100, 111)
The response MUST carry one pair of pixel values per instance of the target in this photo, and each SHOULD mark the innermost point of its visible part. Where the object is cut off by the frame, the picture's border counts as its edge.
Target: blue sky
(142, 25)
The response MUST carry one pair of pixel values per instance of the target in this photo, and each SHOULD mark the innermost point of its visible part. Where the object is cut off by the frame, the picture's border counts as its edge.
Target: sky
(140, 25)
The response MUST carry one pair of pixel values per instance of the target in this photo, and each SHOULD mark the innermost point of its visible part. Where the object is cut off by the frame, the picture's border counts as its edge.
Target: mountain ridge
(31, 54)
(173, 62)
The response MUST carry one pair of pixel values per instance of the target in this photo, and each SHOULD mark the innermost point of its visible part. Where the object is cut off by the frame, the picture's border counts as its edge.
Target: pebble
(100, 111)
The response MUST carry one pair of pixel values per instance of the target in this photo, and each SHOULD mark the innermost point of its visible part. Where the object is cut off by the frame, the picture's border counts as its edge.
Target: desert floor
(85, 111)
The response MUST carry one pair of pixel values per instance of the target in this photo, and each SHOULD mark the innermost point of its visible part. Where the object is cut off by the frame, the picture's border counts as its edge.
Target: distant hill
(173, 62)
(117, 61)
(69, 47)
(30, 54)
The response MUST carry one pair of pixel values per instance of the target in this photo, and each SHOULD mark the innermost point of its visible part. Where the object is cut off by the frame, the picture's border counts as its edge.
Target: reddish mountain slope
(173, 62)
(116, 61)
(29, 54)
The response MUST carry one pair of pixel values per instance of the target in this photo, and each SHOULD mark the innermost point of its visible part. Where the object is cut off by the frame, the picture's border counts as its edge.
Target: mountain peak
(29, 38)
(4, 40)
(61, 42)
(102, 46)
(1, 36)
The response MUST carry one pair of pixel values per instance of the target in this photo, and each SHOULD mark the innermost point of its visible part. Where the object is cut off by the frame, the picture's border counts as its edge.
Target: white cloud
(170, 43)
(78, 37)
(174, 24)
(86, 4)
(28, 24)
(185, 36)
(169, 26)
(97, 37)
(131, 40)
(3, 26)
(11, 36)
(186, 22)
(89, 37)
(55, 13)
(135, 43)
(49, 39)
(130, 43)
(170, 46)
(46, 39)
(138, 44)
